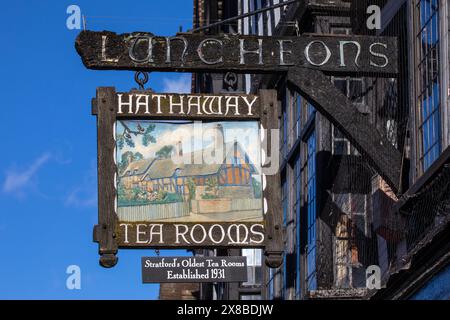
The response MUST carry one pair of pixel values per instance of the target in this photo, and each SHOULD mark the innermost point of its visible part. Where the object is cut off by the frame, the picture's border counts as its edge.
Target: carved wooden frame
(106, 233)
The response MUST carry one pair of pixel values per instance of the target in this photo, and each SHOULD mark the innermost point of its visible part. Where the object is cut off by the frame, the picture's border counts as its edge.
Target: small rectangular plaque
(194, 269)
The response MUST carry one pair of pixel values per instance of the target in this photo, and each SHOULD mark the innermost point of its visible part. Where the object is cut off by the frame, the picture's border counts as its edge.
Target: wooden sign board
(194, 269)
(246, 54)
(145, 104)
(183, 171)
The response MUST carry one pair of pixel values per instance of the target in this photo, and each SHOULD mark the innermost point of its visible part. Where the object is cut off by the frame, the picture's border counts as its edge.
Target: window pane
(253, 256)
(311, 175)
(337, 134)
(250, 276)
(356, 91)
(358, 203)
(258, 275)
(250, 297)
(340, 147)
(360, 223)
(341, 85)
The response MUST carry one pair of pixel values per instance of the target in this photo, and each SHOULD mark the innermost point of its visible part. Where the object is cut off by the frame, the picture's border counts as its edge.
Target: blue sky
(48, 182)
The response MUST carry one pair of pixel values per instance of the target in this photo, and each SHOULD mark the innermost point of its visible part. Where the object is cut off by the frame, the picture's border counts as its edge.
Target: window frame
(311, 220)
(423, 159)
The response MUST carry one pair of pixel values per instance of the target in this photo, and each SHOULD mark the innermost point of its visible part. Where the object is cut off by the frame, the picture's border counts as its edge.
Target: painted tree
(191, 188)
(164, 152)
(212, 186)
(127, 158)
(126, 137)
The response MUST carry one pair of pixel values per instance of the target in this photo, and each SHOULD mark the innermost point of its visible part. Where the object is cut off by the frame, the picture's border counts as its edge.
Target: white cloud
(80, 197)
(85, 194)
(18, 180)
(196, 136)
(183, 133)
(182, 84)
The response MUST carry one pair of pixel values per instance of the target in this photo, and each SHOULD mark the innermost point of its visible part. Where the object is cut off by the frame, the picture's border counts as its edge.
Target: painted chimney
(219, 139)
(180, 148)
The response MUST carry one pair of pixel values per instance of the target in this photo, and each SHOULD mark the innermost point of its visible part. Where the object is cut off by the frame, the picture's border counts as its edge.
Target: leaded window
(428, 82)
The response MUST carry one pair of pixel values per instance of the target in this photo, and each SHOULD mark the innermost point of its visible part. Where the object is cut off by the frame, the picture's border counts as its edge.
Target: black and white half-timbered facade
(343, 221)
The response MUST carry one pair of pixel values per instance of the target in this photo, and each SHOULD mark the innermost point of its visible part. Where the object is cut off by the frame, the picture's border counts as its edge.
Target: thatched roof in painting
(151, 169)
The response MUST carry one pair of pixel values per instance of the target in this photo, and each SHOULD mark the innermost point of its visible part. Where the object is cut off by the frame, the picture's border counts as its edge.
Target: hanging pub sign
(174, 171)
(184, 170)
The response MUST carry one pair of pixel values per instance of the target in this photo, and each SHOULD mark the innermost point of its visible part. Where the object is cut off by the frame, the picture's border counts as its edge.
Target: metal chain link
(141, 79)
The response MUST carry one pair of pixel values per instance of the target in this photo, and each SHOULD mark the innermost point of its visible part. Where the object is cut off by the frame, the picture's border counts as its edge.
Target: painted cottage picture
(188, 171)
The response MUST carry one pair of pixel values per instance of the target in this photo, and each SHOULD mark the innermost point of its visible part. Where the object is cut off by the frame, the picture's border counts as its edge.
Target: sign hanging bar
(245, 15)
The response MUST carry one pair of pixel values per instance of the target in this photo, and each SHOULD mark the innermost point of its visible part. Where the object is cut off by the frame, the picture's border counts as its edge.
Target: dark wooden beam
(272, 192)
(104, 232)
(201, 53)
(340, 111)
